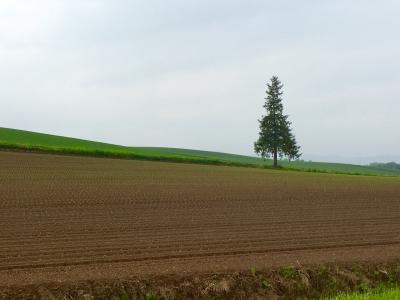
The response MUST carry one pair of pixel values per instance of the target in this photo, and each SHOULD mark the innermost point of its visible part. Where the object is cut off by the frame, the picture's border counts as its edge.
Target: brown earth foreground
(64, 220)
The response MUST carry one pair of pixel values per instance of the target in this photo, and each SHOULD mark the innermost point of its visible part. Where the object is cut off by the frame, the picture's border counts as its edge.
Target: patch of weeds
(288, 272)
(325, 282)
(124, 297)
(381, 288)
(392, 278)
(149, 296)
(323, 270)
(376, 274)
(381, 294)
(363, 287)
(265, 284)
(358, 271)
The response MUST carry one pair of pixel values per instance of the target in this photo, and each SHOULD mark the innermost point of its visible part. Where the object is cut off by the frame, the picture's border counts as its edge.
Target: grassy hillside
(32, 141)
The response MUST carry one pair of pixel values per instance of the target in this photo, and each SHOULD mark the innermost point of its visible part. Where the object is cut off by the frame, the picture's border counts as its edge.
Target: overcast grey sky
(192, 74)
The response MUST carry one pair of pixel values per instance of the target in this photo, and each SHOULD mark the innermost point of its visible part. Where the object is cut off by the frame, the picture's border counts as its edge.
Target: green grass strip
(128, 154)
(377, 294)
(21, 140)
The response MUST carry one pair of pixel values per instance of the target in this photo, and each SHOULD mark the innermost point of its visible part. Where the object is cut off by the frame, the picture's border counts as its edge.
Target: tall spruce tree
(276, 137)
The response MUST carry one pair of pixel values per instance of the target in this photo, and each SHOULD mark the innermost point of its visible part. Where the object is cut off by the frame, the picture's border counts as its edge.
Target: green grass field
(385, 294)
(33, 141)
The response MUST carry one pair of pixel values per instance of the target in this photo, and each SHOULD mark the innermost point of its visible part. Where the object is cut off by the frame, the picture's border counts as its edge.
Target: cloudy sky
(192, 74)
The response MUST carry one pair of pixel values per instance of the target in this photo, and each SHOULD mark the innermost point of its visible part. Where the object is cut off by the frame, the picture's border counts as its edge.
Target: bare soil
(65, 219)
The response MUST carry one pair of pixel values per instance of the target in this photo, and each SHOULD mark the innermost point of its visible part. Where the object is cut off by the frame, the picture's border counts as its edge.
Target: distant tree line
(390, 165)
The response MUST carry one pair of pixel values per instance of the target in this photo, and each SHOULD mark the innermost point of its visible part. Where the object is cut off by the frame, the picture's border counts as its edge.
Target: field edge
(120, 154)
(306, 282)
(22, 140)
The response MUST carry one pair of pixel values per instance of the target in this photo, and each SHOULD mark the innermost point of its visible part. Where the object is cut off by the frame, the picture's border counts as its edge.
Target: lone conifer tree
(276, 137)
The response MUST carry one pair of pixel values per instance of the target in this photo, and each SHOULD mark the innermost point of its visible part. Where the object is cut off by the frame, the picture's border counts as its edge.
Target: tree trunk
(275, 158)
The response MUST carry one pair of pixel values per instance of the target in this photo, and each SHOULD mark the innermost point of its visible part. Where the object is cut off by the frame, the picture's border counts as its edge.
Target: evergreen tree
(276, 137)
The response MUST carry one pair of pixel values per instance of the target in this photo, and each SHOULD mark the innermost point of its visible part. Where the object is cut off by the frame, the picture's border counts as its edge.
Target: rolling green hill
(33, 141)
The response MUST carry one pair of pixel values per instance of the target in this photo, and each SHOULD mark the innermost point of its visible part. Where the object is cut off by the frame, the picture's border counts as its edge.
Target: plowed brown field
(67, 218)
